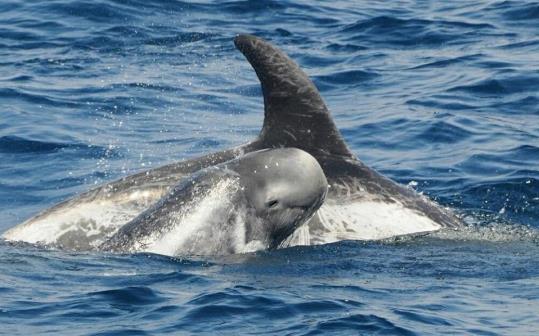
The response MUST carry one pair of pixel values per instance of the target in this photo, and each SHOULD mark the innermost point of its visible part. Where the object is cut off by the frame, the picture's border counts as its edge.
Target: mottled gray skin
(294, 116)
(279, 188)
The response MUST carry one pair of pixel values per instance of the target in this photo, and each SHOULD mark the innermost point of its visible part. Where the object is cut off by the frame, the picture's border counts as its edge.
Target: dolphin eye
(272, 204)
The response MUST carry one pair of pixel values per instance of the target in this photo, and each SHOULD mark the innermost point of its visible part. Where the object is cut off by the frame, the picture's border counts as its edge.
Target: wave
(128, 296)
(36, 98)
(508, 85)
(94, 11)
(516, 10)
(451, 61)
(15, 145)
(395, 31)
(444, 132)
(343, 80)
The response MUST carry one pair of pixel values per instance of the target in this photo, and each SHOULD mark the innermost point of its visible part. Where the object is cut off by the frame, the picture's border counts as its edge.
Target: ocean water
(442, 96)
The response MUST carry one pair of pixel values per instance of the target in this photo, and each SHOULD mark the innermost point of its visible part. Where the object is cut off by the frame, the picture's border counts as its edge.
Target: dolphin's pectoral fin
(365, 220)
(295, 114)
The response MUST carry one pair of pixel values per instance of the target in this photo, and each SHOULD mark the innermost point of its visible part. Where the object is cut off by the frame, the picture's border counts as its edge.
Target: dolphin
(250, 203)
(361, 204)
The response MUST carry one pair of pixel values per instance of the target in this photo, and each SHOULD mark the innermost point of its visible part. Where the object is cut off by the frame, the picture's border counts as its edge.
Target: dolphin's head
(284, 188)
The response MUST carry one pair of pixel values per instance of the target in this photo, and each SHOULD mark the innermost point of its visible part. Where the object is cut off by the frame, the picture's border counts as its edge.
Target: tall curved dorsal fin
(294, 113)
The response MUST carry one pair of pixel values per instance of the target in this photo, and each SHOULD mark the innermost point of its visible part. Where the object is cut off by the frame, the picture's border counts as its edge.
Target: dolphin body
(361, 204)
(250, 203)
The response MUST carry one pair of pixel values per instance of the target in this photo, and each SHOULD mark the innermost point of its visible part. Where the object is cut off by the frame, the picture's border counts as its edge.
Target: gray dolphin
(361, 204)
(250, 203)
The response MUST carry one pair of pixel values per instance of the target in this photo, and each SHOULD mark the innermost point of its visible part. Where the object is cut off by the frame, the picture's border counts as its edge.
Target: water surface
(441, 96)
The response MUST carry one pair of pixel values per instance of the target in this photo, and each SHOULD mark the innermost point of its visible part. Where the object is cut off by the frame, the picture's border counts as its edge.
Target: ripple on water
(128, 296)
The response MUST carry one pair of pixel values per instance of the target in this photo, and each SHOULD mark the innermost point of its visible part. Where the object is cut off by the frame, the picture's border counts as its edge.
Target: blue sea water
(443, 96)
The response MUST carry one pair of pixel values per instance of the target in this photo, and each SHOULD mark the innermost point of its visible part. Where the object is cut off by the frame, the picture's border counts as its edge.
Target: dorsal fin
(294, 113)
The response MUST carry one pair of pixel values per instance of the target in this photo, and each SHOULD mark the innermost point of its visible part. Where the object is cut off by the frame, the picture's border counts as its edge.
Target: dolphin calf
(250, 203)
(361, 204)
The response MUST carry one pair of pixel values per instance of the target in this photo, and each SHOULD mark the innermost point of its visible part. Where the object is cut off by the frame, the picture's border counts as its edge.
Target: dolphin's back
(361, 203)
